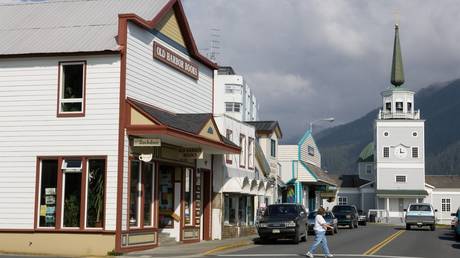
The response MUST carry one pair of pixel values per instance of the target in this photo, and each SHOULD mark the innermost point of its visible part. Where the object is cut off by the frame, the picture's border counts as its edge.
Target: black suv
(281, 221)
(347, 215)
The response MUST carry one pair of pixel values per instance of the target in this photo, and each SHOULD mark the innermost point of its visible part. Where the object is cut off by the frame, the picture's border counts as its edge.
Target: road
(367, 241)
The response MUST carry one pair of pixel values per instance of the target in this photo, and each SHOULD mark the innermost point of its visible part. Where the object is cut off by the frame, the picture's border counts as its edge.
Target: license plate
(419, 223)
(275, 231)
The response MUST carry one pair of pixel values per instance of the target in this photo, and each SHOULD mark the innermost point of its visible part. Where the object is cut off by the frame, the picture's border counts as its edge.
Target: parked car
(457, 224)
(328, 217)
(420, 215)
(281, 221)
(347, 215)
(362, 218)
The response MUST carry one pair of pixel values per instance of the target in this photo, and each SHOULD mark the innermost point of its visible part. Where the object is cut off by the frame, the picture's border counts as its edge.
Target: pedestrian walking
(320, 229)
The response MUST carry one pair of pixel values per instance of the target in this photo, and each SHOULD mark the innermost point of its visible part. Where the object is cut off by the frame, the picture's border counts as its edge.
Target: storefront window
(242, 210)
(226, 209)
(48, 190)
(188, 196)
(95, 193)
(166, 185)
(72, 175)
(134, 194)
(147, 171)
(250, 210)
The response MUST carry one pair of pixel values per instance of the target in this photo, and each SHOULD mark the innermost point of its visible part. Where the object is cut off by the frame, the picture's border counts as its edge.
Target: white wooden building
(106, 127)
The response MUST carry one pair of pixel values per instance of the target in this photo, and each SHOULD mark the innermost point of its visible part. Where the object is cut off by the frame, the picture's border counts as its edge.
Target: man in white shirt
(320, 234)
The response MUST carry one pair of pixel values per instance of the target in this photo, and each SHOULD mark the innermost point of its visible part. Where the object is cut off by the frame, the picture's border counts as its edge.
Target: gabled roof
(367, 154)
(349, 180)
(192, 123)
(444, 181)
(61, 26)
(266, 127)
(82, 26)
(318, 173)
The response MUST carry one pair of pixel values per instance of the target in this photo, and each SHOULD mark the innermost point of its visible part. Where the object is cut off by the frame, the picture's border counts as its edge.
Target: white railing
(384, 114)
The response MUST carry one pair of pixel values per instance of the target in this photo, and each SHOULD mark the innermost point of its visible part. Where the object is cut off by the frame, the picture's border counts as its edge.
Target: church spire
(397, 71)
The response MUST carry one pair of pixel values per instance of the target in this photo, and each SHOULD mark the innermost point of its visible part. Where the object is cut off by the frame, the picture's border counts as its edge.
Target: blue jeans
(320, 238)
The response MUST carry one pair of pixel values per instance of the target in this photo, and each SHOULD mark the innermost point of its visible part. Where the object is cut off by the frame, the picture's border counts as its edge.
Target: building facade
(115, 149)
(306, 182)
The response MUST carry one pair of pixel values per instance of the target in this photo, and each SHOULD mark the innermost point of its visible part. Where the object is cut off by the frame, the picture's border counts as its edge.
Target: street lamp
(329, 119)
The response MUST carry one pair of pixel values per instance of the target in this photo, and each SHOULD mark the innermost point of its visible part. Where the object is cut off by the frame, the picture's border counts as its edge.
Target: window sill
(70, 114)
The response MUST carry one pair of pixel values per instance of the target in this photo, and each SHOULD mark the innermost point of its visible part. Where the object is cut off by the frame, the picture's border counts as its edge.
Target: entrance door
(166, 197)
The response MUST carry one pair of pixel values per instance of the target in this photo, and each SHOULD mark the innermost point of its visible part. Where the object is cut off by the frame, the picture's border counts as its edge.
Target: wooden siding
(170, 27)
(315, 160)
(303, 175)
(29, 128)
(288, 152)
(158, 84)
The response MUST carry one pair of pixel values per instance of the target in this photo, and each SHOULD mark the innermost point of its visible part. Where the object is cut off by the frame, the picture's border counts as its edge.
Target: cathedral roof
(397, 71)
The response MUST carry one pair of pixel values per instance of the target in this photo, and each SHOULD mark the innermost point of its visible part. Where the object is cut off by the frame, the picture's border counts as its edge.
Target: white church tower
(400, 146)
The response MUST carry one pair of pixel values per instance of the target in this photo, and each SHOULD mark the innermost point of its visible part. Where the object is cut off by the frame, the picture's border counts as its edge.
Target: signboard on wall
(147, 142)
(191, 153)
(175, 61)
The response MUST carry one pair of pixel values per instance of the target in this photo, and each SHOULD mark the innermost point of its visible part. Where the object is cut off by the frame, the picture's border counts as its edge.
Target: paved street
(369, 241)
(373, 241)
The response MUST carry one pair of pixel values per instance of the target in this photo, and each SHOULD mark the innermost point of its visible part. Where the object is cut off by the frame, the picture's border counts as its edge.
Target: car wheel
(336, 229)
(407, 227)
(296, 239)
(432, 227)
(365, 223)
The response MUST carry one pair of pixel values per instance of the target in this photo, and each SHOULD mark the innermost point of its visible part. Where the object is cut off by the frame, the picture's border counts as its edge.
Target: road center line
(386, 241)
(302, 255)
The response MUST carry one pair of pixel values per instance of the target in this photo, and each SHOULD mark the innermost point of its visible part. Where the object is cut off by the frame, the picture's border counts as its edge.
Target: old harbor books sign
(175, 61)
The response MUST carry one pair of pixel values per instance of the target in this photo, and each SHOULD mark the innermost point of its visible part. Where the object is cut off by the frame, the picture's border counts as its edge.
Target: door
(166, 196)
(207, 204)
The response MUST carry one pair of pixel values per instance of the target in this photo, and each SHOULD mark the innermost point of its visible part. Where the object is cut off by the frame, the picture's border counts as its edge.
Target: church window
(343, 200)
(399, 107)
(445, 204)
(409, 106)
(386, 152)
(388, 106)
(414, 152)
(400, 179)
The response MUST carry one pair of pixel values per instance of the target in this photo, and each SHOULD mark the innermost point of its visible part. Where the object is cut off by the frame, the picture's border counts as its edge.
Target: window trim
(412, 152)
(243, 151)
(342, 198)
(251, 150)
(310, 151)
(273, 151)
(400, 182)
(228, 157)
(383, 153)
(446, 204)
(59, 113)
(59, 196)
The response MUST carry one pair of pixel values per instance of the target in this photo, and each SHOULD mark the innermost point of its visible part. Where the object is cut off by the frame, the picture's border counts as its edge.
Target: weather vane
(397, 15)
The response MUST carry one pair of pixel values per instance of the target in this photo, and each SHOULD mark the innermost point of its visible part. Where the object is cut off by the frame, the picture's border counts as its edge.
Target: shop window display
(48, 190)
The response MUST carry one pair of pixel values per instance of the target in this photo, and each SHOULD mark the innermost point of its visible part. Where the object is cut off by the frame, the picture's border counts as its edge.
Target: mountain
(439, 105)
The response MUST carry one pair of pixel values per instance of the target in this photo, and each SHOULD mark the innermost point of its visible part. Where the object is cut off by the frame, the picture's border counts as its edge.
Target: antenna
(214, 44)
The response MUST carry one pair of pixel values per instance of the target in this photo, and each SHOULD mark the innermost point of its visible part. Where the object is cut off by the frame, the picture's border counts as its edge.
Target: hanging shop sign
(175, 61)
(146, 142)
(191, 153)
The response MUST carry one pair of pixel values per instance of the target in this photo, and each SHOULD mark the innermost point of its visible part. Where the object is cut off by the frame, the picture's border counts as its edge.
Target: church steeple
(397, 71)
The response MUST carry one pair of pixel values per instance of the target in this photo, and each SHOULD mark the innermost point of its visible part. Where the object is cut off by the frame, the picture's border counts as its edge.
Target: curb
(227, 247)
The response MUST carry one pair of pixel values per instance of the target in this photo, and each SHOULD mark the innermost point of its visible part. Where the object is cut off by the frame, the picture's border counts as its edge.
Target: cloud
(308, 59)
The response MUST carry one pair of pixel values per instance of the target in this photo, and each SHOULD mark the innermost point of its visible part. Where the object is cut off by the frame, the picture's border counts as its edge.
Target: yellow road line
(380, 245)
(226, 247)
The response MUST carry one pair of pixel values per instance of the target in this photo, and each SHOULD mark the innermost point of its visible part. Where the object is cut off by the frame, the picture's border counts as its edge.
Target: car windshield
(312, 215)
(274, 210)
(419, 207)
(342, 209)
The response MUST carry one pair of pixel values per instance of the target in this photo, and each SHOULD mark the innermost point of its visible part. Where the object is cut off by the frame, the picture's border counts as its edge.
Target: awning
(401, 193)
(241, 185)
(262, 188)
(185, 130)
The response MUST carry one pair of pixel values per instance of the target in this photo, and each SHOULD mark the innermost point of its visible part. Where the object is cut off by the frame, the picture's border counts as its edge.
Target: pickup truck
(420, 214)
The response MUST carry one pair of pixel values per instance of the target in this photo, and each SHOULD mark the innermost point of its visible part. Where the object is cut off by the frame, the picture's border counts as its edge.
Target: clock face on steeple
(401, 152)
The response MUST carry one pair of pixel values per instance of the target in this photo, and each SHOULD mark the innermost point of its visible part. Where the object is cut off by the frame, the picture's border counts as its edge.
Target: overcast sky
(309, 59)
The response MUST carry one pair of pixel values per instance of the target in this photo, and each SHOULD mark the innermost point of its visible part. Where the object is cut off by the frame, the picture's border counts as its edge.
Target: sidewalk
(194, 250)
